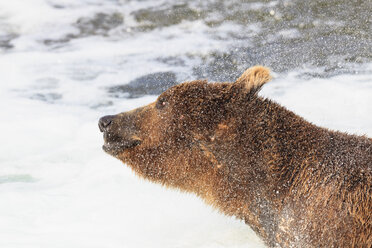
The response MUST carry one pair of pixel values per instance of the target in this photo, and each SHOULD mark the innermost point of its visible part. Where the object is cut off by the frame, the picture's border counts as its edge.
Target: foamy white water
(58, 188)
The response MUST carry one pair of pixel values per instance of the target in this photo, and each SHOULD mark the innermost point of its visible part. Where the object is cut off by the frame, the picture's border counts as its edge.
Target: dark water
(332, 36)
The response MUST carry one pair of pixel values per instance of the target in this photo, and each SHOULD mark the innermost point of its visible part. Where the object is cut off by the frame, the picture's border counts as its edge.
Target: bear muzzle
(115, 140)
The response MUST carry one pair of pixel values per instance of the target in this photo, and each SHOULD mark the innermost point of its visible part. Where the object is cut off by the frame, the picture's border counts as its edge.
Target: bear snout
(105, 122)
(118, 133)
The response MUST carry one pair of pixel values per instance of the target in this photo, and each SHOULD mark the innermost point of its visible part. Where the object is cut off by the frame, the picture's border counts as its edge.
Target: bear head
(170, 141)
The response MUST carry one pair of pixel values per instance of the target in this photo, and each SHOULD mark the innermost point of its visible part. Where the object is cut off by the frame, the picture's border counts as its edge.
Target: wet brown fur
(295, 184)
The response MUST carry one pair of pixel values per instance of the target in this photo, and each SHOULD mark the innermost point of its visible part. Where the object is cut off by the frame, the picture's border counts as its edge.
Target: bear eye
(161, 103)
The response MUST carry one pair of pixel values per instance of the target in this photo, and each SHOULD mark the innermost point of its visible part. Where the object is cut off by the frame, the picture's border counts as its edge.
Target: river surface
(64, 64)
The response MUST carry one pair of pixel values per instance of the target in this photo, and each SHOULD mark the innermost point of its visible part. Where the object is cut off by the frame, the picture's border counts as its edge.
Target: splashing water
(63, 64)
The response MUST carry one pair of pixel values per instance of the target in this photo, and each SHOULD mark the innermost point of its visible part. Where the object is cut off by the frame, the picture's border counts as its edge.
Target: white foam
(341, 102)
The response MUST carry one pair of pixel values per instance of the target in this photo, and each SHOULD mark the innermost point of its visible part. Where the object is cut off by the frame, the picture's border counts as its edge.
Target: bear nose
(104, 122)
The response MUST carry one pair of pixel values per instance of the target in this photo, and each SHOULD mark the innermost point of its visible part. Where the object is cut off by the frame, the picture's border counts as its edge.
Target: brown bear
(294, 183)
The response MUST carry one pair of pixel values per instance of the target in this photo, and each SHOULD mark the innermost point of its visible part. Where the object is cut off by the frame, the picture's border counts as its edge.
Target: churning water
(65, 63)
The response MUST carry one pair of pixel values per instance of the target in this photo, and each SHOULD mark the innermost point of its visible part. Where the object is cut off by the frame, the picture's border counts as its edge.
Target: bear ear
(254, 78)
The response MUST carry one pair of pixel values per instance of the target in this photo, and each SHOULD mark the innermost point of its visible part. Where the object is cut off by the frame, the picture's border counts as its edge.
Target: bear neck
(255, 161)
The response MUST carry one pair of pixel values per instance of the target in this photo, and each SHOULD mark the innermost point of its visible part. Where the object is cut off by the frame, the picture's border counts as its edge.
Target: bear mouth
(114, 145)
(115, 148)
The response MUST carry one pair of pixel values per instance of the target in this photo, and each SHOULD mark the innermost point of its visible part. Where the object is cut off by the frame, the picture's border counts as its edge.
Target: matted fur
(295, 184)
